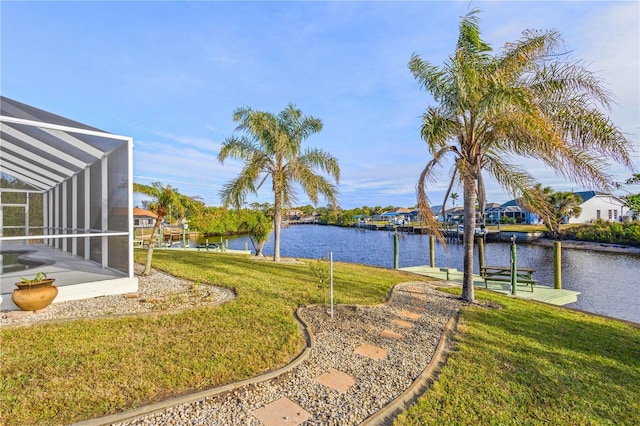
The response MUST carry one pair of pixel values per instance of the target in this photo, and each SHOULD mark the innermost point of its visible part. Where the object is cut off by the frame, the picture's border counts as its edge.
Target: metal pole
(432, 251)
(514, 266)
(331, 282)
(557, 265)
(396, 251)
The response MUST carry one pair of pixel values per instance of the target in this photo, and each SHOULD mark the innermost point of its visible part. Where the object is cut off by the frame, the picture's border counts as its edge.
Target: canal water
(609, 283)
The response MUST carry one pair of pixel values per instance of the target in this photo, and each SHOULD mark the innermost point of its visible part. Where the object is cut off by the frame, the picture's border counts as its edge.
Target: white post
(104, 242)
(64, 197)
(74, 214)
(331, 282)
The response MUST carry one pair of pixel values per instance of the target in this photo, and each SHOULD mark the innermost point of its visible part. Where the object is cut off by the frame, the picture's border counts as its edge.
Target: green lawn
(530, 363)
(66, 372)
(525, 363)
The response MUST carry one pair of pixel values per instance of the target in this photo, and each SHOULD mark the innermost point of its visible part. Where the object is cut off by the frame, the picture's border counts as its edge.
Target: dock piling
(396, 251)
(480, 241)
(514, 266)
(557, 265)
(432, 251)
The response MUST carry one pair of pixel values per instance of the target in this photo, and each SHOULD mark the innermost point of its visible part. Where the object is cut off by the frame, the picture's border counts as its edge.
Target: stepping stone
(402, 323)
(389, 334)
(419, 309)
(410, 315)
(419, 296)
(337, 380)
(132, 295)
(16, 314)
(280, 413)
(370, 351)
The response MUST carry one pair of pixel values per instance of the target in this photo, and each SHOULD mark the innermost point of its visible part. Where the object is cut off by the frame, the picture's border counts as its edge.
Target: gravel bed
(156, 292)
(377, 381)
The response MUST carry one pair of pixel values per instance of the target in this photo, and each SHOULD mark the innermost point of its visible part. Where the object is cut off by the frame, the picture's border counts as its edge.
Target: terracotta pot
(34, 298)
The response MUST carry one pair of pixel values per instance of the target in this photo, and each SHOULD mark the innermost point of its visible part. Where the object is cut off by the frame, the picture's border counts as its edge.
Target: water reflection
(609, 283)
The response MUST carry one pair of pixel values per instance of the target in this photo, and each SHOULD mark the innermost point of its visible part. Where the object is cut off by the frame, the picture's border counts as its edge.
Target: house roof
(44, 149)
(142, 212)
(510, 203)
(455, 210)
(587, 195)
(403, 210)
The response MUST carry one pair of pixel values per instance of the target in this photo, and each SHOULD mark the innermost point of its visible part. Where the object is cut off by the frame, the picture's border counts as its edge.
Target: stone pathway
(362, 359)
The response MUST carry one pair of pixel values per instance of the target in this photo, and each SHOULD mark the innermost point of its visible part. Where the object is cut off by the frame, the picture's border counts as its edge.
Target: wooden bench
(524, 276)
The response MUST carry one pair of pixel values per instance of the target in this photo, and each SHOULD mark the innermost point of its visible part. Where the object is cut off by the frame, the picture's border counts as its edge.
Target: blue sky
(170, 74)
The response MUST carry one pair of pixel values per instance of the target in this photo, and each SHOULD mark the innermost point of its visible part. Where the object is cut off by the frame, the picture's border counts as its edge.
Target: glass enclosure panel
(119, 253)
(118, 198)
(36, 214)
(80, 202)
(118, 190)
(67, 219)
(14, 198)
(13, 218)
(95, 208)
(57, 210)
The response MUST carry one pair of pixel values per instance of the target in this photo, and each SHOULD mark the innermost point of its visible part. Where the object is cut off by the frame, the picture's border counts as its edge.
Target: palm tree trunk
(152, 244)
(277, 220)
(259, 247)
(469, 203)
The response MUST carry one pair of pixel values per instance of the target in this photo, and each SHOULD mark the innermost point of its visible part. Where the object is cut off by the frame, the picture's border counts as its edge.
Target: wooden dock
(541, 293)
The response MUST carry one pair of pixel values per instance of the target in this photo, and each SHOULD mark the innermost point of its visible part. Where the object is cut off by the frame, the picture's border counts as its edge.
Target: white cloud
(612, 44)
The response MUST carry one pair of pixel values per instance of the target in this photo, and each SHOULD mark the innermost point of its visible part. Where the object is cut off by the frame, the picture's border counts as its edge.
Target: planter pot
(36, 296)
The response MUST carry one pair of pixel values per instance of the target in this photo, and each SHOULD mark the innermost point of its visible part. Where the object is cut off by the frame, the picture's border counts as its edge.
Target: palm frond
(437, 129)
(234, 193)
(429, 76)
(469, 35)
(322, 160)
(513, 178)
(454, 175)
(424, 207)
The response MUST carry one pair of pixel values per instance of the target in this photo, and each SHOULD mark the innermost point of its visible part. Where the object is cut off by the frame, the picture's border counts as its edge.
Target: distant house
(598, 205)
(437, 212)
(454, 214)
(397, 216)
(414, 215)
(595, 205)
(143, 218)
(143, 223)
(492, 212)
(495, 213)
(294, 214)
(511, 209)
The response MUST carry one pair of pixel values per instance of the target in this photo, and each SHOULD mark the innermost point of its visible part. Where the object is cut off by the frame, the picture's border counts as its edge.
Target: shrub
(606, 232)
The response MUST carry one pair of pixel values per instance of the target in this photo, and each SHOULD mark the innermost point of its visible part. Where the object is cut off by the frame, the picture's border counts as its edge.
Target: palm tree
(454, 198)
(271, 148)
(164, 198)
(529, 100)
(259, 228)
(564, 205)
